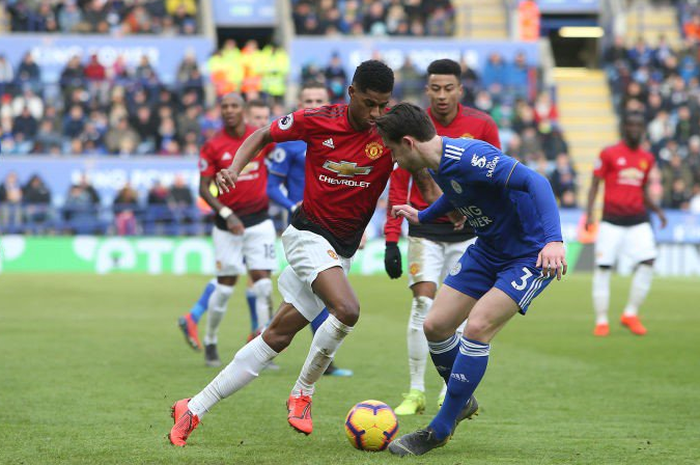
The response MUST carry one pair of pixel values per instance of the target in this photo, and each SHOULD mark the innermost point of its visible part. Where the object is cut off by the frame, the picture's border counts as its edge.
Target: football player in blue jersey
(286, 174)
(518, 251)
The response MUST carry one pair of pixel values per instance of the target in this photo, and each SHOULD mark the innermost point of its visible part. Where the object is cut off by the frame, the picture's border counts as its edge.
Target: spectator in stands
(553, 142)
(641, 54)
(440, 23)
(10, 200)
(7, 74)
(563, 178)
(167, 134)
(94, 71)
(28, 72)
(694, 203)
(679, 197)
(410, 84)
(615, 52)
(70, 16)
(47, 140)
(74, 122)
(25, 126)
(181, 194)
(144, 71)
(146, 125)
(672, 172)
(120, 135)
(495, 72)
(94, 18)
(125, 207)
(37, 199)
(692, 28)
(685, 127)
(335, 78)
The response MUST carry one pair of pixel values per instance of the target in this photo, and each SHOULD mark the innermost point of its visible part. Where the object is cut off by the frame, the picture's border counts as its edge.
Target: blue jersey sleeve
(540, 191)
(280, 160)
(485, 164)
(440, 207)
(274, 191)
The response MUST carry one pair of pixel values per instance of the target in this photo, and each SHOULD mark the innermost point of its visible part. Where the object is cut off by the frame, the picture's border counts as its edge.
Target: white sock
(641, 283)
(601, 294)
(216, 311)
(244, 368)
(262, 289)
(326, 341)
(417, 343)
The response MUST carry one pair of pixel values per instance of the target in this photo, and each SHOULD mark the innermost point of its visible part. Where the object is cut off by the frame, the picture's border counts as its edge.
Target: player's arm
(431, 192)
(398, 194)
(592, 194)
(437, 209)
(653, 207)
(552, 257)
(226, 179)
(274, 191)
(206, 173)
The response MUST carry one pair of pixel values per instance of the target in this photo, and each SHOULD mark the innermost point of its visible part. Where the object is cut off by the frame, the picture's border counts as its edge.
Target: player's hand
(590, 221)
(405, 211)
(234, 225)
(392, 260)
(457, 219)
(226, 180)
(552, 260)
(662, 218)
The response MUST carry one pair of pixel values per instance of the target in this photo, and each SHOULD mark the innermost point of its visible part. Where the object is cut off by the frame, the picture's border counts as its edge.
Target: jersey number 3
(523, 280)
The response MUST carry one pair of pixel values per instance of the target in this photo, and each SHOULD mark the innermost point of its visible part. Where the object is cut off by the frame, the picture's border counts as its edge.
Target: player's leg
(642, 248)
(425, 260)
(260, 258)
(332, 369)
(607, 245)
(244, 368)
(452, 252)
(188, 322)
(228, 251)
(250, 300)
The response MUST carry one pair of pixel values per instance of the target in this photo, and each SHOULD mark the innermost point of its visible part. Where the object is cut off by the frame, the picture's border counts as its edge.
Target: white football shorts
(636, 242)
(308, 254)
(431, 261)
(253, 250)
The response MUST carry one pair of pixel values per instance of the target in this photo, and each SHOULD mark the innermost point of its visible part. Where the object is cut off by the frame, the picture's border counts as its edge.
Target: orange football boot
(189, 329)
(601, 330)
(299, 414)
(185, 423)
(632, 322)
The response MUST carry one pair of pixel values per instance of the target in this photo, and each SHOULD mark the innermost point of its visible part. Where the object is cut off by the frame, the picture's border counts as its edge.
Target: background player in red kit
(432, 248)
(242, 227)
(625, 227)
(347, 168)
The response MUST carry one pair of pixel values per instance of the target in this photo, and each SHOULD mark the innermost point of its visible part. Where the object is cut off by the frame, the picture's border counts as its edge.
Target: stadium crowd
(663, 83)
(115, 17)
(415, 18)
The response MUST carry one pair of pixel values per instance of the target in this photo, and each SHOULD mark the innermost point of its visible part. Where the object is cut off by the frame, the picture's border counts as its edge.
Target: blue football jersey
(287, 161)
(496, 194)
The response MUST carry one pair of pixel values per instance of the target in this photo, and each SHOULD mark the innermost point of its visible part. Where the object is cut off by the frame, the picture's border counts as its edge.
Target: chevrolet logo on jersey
(346, 169)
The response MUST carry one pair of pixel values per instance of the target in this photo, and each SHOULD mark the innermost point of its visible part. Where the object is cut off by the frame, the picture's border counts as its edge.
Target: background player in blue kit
(519, 250)
(285, 181)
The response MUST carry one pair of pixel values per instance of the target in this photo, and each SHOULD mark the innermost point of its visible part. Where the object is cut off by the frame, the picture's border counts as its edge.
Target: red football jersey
(625, 172)
(250, 194)
(469, 123)
(346, 171)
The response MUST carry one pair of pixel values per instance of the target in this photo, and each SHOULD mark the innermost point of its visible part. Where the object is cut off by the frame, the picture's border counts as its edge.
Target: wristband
(225, 212)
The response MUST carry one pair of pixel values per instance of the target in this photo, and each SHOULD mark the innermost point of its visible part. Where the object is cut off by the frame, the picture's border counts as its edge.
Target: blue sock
(443, 354)
(250, 297)
(468, 369)
(318, 321)
(201, 306)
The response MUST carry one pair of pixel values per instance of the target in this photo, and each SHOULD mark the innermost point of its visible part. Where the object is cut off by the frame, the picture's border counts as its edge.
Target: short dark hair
(312, 85)
(405, 119)
(256, 103)
(373, 75)
(633, 117)
(445, 66)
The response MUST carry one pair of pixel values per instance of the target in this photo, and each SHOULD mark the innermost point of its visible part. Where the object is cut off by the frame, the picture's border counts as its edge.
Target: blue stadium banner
(394, 51)
(244, 13)
(569, 6)
(107, 174)
(52, 52)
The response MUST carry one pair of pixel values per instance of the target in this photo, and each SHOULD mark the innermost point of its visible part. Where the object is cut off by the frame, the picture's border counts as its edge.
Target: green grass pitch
(89, 366)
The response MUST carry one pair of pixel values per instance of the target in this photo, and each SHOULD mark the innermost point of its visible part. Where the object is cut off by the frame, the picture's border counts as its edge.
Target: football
(371, 425)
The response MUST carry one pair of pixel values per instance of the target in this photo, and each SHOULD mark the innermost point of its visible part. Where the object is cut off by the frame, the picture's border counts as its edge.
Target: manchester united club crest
(414, 268)
(466, 135)
(374, 150)
(332, 254)
(644, 164)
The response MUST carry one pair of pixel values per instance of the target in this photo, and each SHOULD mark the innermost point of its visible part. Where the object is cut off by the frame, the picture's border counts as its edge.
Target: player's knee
(605, 267)
(436, 331)
(348, 312)
(262, 287)
(478, 329)
(649, 262)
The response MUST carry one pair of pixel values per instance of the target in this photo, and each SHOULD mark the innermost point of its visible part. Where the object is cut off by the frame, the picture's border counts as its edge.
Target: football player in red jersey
(432, 248)
(242, 227)
(347, 168)
(625, 227)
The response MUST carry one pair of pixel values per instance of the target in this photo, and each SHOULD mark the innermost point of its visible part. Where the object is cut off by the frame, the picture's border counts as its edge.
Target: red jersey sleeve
(491, 134)
(398, 194)
(601, 165)
(290, 127)
(207, 167)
